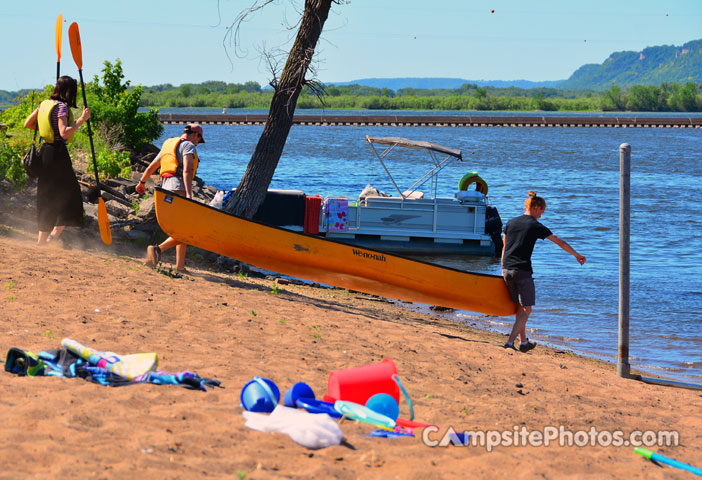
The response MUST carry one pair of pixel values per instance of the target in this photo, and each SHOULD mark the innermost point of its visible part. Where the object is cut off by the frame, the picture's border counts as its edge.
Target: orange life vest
(169, 158)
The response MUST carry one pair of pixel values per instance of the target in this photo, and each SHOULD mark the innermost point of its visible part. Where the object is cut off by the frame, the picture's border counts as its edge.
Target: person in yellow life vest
(178, 162)
(59, 199)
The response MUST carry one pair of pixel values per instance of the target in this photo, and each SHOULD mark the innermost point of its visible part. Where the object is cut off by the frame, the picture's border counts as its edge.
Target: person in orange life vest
(59, 199)
(521, 234)
(178, 162)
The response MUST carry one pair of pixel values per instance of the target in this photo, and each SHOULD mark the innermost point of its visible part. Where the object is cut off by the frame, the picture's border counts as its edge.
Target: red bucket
(358, 384)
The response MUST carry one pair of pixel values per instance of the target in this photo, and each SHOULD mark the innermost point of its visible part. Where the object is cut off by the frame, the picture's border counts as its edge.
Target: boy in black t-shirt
(521, 234)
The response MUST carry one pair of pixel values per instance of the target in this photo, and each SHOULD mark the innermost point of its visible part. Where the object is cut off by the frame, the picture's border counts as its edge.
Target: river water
(577, 171)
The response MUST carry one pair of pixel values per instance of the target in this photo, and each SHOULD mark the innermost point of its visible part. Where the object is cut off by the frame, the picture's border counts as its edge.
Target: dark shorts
(521, 287)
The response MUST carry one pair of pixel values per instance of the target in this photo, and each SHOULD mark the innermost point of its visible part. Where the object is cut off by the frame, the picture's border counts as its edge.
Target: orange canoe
(330, 262)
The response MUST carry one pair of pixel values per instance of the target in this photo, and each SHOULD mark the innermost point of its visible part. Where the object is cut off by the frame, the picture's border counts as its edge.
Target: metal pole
(623, 367)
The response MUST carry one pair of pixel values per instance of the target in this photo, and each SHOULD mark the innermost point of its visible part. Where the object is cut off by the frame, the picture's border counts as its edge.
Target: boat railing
(362, 214)
(438, 164)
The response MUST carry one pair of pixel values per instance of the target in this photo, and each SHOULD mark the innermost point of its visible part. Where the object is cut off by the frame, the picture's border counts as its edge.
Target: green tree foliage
(685, 98)
(207, 94)
(11, 164)
(115, 110)
(644, 98)
(613, 100)
(667, 97)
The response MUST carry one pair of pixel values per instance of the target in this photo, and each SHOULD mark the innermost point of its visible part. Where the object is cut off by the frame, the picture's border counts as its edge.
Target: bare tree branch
(252, 188)
(233, 30)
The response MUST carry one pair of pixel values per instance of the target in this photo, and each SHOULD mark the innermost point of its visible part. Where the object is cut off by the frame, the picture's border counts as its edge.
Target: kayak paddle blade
(59, 30)
(76, 49)
(104, 223)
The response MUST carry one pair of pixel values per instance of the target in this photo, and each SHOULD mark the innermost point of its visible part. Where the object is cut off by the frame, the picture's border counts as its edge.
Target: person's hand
(141, 188)
(580, 258)
(85, 116)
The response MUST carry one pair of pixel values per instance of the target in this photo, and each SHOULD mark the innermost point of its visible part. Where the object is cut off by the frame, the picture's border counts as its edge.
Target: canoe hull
(326, 261)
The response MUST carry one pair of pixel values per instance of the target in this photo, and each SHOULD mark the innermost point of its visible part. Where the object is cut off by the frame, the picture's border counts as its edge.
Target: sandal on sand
(527, 346)
(153, 256)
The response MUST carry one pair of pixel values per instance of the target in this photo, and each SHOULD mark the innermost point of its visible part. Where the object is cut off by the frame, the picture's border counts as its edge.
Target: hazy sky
(179, 41)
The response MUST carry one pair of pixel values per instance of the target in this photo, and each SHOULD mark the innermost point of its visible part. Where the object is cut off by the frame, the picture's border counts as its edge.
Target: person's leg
(153, 252)
(57, 231)
(519, 327)
(520, 285)
(527, 298)
(510, 280)
(180, 256)
(525, 312)
(43, 236)
(167, 244)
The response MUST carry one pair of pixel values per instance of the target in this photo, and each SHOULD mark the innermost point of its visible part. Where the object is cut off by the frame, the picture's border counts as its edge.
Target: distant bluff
(651, 66)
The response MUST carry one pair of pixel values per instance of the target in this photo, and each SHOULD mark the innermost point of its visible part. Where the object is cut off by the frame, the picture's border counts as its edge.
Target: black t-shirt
(521, 234)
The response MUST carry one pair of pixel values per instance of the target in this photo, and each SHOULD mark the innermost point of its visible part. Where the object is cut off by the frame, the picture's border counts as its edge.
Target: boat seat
(370, 192)
(469, 196)
(412, 195)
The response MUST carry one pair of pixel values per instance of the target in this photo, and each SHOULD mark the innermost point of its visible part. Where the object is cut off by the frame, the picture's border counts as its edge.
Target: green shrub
(11, 164)
(111, 163)
(115, 110)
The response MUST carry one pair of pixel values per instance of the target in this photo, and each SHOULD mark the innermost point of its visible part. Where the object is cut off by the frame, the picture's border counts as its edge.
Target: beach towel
(23, 363)
(129, 367)
(336, 214)
(105, 368)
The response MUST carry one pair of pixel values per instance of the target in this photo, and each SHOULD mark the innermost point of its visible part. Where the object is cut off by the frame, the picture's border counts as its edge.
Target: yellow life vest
(46, 131)
(169, 158)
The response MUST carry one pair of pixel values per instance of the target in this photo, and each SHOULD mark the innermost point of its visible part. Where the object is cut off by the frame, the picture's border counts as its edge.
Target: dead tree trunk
(252, 189)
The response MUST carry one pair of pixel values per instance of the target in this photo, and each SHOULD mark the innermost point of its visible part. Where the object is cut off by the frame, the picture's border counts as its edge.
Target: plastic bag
(216, 201)
(308, 429)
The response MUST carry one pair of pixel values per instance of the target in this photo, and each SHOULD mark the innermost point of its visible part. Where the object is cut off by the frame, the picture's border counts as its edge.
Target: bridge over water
(443, 120)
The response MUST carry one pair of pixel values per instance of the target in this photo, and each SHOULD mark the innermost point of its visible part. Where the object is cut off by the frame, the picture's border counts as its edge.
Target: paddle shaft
(90, 131)
(59, 31)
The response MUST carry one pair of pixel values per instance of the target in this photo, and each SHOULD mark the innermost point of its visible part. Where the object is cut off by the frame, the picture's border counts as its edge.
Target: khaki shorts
(521, 287)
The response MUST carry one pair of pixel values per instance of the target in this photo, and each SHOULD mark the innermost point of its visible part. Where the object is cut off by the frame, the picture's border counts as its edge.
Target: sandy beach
(231, 328)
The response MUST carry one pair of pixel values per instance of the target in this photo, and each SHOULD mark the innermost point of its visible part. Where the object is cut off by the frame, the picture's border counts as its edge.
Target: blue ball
(384, 404)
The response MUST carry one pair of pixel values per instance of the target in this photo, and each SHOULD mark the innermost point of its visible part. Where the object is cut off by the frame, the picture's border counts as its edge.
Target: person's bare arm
(153, 166)
(66, 130)
(188, 174)
(31, 122)
(565, 246)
